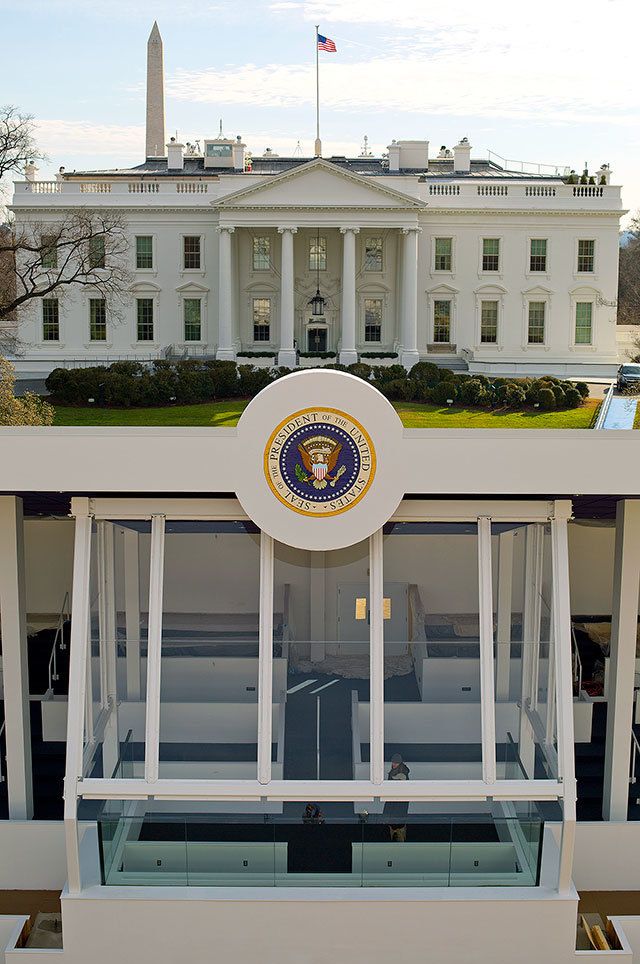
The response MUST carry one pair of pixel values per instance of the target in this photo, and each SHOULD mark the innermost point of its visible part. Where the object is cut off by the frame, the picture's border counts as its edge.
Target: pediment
(319, 184)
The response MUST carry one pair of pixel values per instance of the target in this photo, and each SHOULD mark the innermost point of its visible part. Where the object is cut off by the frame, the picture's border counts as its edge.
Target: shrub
(558, 392)
(131, 368)
(583, 388)
(572, 398)
(392, 373)
(511, 395)
(395, 390)
(378, 354)
(360, 370)
(547, 399)
(223, 378)
(428, 373)
(444, 391)
(252, 380)
(472, 392)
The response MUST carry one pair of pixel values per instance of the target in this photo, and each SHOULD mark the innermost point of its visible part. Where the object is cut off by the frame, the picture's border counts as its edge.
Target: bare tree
(629, 277)
(17, 141)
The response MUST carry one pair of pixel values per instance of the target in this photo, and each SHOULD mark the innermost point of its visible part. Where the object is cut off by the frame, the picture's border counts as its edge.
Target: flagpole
(318, 145)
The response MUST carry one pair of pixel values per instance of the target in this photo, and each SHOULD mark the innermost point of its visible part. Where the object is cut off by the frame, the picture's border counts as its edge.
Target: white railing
(58, 642)
(2, 726)
(530, 167)
(576, 662)
(444, 189)
(143, 187)
(604, 408)
(635, 753)
(493, 190)
(539, 190)
(191, 187)
(95, 187)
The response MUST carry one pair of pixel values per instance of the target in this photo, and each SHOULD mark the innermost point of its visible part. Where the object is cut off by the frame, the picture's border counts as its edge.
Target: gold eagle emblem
(319, 455)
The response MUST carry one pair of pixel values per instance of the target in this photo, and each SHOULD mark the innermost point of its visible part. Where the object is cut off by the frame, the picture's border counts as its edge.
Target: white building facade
(455, 261)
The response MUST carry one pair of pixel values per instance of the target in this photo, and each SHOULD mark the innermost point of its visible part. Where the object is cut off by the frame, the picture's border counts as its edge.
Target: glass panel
(586, 253)
(192, 319)
(373, 254)
(372, 319)
(261, 319)
(538, 256)
(321, 663)
(432, 719)
(49, 252)
(144, 308)
(97, 319)
(442, 321)
(191, 252)
(96, 252)
(318, 254)
(261, 254)
(537, 311)
(209, 665)
(443, 254)
(144, 251)
(489, 322)
(584, 316)
(491, 254)
(332, 847)
(50, 320)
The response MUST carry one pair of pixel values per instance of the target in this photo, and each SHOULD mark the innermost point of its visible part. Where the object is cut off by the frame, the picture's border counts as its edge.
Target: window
(50, 320)
(261, 254)
(489, 322)
(144, 252)
(586, 255)
(373, 319)
(145, 319)
(218, 150)
(538, 254)
(96, 253)
(442, 321)
(318, 254)
(191, 252)
(97, 319)
(49, 253)
(584, 322)
(491, 254)
(535, 329)
(261, 319)
(192, 319)
(373, 254)
(443, 254)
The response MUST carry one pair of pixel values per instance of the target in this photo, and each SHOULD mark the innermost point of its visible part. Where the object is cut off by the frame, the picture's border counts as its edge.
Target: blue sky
(550, 82)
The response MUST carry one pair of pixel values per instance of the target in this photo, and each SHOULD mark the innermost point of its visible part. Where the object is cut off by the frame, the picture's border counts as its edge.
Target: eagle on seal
(319, 456)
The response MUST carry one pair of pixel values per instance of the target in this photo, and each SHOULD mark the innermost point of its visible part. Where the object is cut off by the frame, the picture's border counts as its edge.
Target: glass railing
(276, 850)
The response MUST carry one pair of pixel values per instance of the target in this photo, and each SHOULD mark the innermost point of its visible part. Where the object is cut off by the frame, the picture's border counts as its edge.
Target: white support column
(265, 660)
(487, 683)
(106, 611)
(624, 623)
(505, 593)
(132, 612)
(154, 649)
(14, 659)
(287, 354)
(561, 635)
(79, 657)
(409, 334)
(348, 353)
(226, 342)
(376, 656)
(530, 641)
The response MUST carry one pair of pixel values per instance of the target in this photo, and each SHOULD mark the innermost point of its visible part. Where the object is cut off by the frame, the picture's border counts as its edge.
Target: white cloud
(68, 142)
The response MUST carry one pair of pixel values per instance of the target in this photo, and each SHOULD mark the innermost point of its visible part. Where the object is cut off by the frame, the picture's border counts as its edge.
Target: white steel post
(505, 588)
(526, 741)
(376, 657)
(317, 600)
(79, 656)
(624, 624)
(154, 650)
(14, 659)
(561, 636)
(132, 612)
(108, 651)
(487, 684)
(265, 659)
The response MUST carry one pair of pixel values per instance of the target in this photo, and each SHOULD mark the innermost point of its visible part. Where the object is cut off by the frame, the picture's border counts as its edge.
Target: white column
(226, 347)
(14, 659)
(107, 631)
(79, 667)
(287, 353)
(265, 660)
(132, 612)
(376, 657)
(530, 642)
(505, 586)
(154, 649)
(409, 336)
(487, 684)
(624, 623)
(348, 353)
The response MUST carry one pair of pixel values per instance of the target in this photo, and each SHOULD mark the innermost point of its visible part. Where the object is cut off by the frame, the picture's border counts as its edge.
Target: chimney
(175, 158)
(394, 156)
(603, 176)
(30, 171)
(155, 95)
(238, 154)
(60, 175)
(462, 157)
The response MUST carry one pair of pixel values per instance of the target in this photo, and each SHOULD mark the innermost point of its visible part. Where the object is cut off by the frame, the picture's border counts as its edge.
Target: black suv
(628, 375)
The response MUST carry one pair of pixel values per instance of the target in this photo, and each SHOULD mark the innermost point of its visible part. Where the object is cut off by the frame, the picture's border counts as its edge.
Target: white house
(468, 262)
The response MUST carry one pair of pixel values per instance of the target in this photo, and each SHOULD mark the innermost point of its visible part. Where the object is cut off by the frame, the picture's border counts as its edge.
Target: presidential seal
(319, 462)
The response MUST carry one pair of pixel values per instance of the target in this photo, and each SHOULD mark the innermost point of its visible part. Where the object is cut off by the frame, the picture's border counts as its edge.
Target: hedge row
(126, 384)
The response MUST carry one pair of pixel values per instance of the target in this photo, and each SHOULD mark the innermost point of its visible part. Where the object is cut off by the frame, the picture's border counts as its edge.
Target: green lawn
(413, 415)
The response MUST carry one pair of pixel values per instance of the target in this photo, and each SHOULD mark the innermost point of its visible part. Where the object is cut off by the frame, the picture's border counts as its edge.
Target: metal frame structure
(158, 510)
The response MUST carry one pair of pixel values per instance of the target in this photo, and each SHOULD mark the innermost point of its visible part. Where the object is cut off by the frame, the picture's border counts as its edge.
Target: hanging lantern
(317, 304)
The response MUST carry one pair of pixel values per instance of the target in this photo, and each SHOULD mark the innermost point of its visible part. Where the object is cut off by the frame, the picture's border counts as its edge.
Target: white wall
(607, 855)
(32, 855)
(48, 550)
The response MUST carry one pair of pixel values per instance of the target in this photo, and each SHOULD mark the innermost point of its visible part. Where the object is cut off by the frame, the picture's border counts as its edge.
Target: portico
(329, 231)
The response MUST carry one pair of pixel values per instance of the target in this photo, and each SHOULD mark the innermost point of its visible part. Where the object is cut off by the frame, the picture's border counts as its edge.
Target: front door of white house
(353, 617)
(316, 338)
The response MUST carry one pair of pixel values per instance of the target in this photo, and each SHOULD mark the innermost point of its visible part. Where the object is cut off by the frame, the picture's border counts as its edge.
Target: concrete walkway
(621, 413)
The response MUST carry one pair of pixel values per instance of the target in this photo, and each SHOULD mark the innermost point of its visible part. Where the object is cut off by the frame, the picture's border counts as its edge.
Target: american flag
(324, 43)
